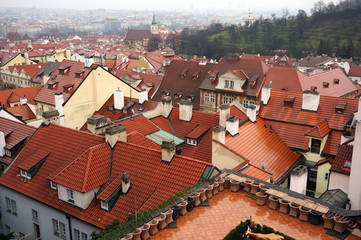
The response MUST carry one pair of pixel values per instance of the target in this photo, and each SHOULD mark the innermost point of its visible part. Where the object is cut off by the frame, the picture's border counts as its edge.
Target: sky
(170, 5)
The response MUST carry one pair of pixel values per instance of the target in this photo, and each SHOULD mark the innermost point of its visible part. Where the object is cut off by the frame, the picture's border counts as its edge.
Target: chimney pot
(168, 151)
(166, 106)
(51, 116)
(125, 182)
(96, 121)
(115, 133)
(185, 110)
(224, 113)
(143, 96)
(218, 134)
(118, 100)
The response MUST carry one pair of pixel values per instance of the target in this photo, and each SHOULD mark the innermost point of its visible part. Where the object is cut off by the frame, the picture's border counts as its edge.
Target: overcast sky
(154, 5)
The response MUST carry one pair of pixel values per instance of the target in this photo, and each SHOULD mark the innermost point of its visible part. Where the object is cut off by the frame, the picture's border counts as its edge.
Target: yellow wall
(91, 95)
(143, 63)
(18, 60)
(313, 156)
(223, 158)
(321, 186)
(44, 106)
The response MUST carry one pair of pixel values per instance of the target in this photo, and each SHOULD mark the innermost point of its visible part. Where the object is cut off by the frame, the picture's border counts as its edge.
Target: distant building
(154, 26)
(249, 20)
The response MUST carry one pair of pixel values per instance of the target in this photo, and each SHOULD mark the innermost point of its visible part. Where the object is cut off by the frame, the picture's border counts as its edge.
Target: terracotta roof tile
(257, 172)
(320, 130)
(22, 110)
(197, 132)
(29, 93)
(30, 70)
(343, 156)
(33, 159)
(355, 70)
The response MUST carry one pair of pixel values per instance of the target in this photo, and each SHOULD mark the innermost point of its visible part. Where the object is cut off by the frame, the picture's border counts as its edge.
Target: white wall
(81, 200)
(338, 180)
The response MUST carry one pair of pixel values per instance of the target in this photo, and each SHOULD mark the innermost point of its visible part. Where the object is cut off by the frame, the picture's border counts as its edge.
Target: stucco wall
(81, 200)
(338, 180)
(223, 158)
(322, 183)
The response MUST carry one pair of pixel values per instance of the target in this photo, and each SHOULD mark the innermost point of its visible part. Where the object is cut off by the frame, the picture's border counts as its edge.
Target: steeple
(154, 22)
(154, 26)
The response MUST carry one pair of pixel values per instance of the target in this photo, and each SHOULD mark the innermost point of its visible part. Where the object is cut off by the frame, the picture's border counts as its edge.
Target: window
(56, 227)
(104, 205)
(8, 204)
(192, 141)
(245, 103)
(13, 207)
(8, 152)
(84, 236)
(70, 195)
(209, 98)
(76, 234)
(35, 216)
(25, 174)
(226, 84)
(326, 176)
(231, 84)
(53, 185)
(316, 146)
(62, 230)
(225, 99)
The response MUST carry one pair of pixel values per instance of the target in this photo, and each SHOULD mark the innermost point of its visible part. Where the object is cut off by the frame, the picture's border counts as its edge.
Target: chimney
(88, 62)
(266, 94)
(2, 144)
(298, 181)
(185, 110)
(125, 182)
(252, 113)
(59, 100)
(168, 151)
(118, 100)
(68, 53)
(232, 125)
(26, 55)
(143, 96)
(224, 113)
(219, 134)
(95, 122)
(23, 100)
(115, 133)
(167, 106)
(51, 116)
(310, 100)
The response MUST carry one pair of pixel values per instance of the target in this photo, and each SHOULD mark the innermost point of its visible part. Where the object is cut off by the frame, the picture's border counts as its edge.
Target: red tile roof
(198, 131)
(46, 95)
(257, 172)
(355, 70)
(33, 159)
(285, 79)
(83, 159)
(16, 94)
(138, 35)
(344, 154)
(22, 110)
(320, 130)
(139, 139)
(15, 133)
(139, 124)
(30, 70)
(257, 143)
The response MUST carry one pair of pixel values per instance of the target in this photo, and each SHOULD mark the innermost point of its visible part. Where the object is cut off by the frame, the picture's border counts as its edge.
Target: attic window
(325, 84)
(192, 142)
(336, 80)
(67, 88)
(191, 98)
(104, 205)
(183, 73)
(51, 86)
(8, 152)
(340, 107)
(25, 174)
(288, 102)
(176, 95)
(213, 76)
(79, 74)
(63, 70)
(253, 80)
(195, 75)
(53, 185)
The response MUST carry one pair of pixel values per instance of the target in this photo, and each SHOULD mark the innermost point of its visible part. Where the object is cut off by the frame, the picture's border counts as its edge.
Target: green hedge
(237, 232)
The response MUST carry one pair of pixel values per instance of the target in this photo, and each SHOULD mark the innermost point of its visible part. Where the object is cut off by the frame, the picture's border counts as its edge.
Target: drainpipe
(69, 224)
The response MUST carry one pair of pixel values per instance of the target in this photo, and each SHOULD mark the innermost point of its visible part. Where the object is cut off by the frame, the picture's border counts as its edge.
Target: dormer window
(325, 84)
(336, 81)
(213, 76)
(192, 142)
(104, 205)
(183, 73)
(288, 102)
(8, 152)
(229, 84)
(340, 107)
(70, 194)
(67, 88)
(195, 75)
(315, 146)
(25, 174)
(53, 185)
(51, 86)
(63, 70)
(79, 74)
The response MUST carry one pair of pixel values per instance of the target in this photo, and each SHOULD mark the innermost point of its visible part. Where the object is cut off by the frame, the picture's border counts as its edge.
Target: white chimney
(23, 100)
(219, 134)
(59, 100)
(252, 113)
(266, 94)
(26, 55)
(354, 188)
(185, 110)
(168, 151)
(143, 96)
(224, 113)
(232, 125)
(88, 62)
(118, 100)
(298, 181)
(115, 133)
(96, 121)
(2, 144)
(310, 100)
(125, 182)
(167, 106)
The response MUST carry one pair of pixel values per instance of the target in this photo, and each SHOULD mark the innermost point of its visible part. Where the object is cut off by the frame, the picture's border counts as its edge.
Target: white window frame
(104, 205)
(245, 103)
(25, 174)
(76, 234)
(53, 185)
(206, 97)
(191, 141)
(62, 230)
(56, 228)
(212, 98)
(13, 207)
(70, 194)
(84, 236)
(35, 215)
(8, 152)
(226, 83)
(225, 100)
(231, 84)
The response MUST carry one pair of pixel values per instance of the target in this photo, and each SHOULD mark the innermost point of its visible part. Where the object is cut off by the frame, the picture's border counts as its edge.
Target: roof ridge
(76, 130)
(260, 169)
(89, 160)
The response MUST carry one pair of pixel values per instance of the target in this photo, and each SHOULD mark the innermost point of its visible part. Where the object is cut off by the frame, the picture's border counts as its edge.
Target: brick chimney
(2, 144)
(168, 151)
(224, 113)
(94, 122)
(185, 110)
(51, 116)
(310, 100)
(266, 94)
(252, 113)
(118, 100)
(115, 133)
(232, 125)
(125, 182)
(219, 134)
(167, 106)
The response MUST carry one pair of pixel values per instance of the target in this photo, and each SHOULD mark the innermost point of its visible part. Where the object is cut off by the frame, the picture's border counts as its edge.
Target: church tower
(154, 26)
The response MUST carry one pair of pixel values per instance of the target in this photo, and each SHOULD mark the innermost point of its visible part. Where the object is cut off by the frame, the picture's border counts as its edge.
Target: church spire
(154, 22)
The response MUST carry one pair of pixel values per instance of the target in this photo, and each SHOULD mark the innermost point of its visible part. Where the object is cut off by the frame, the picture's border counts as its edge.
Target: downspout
(69, 224)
